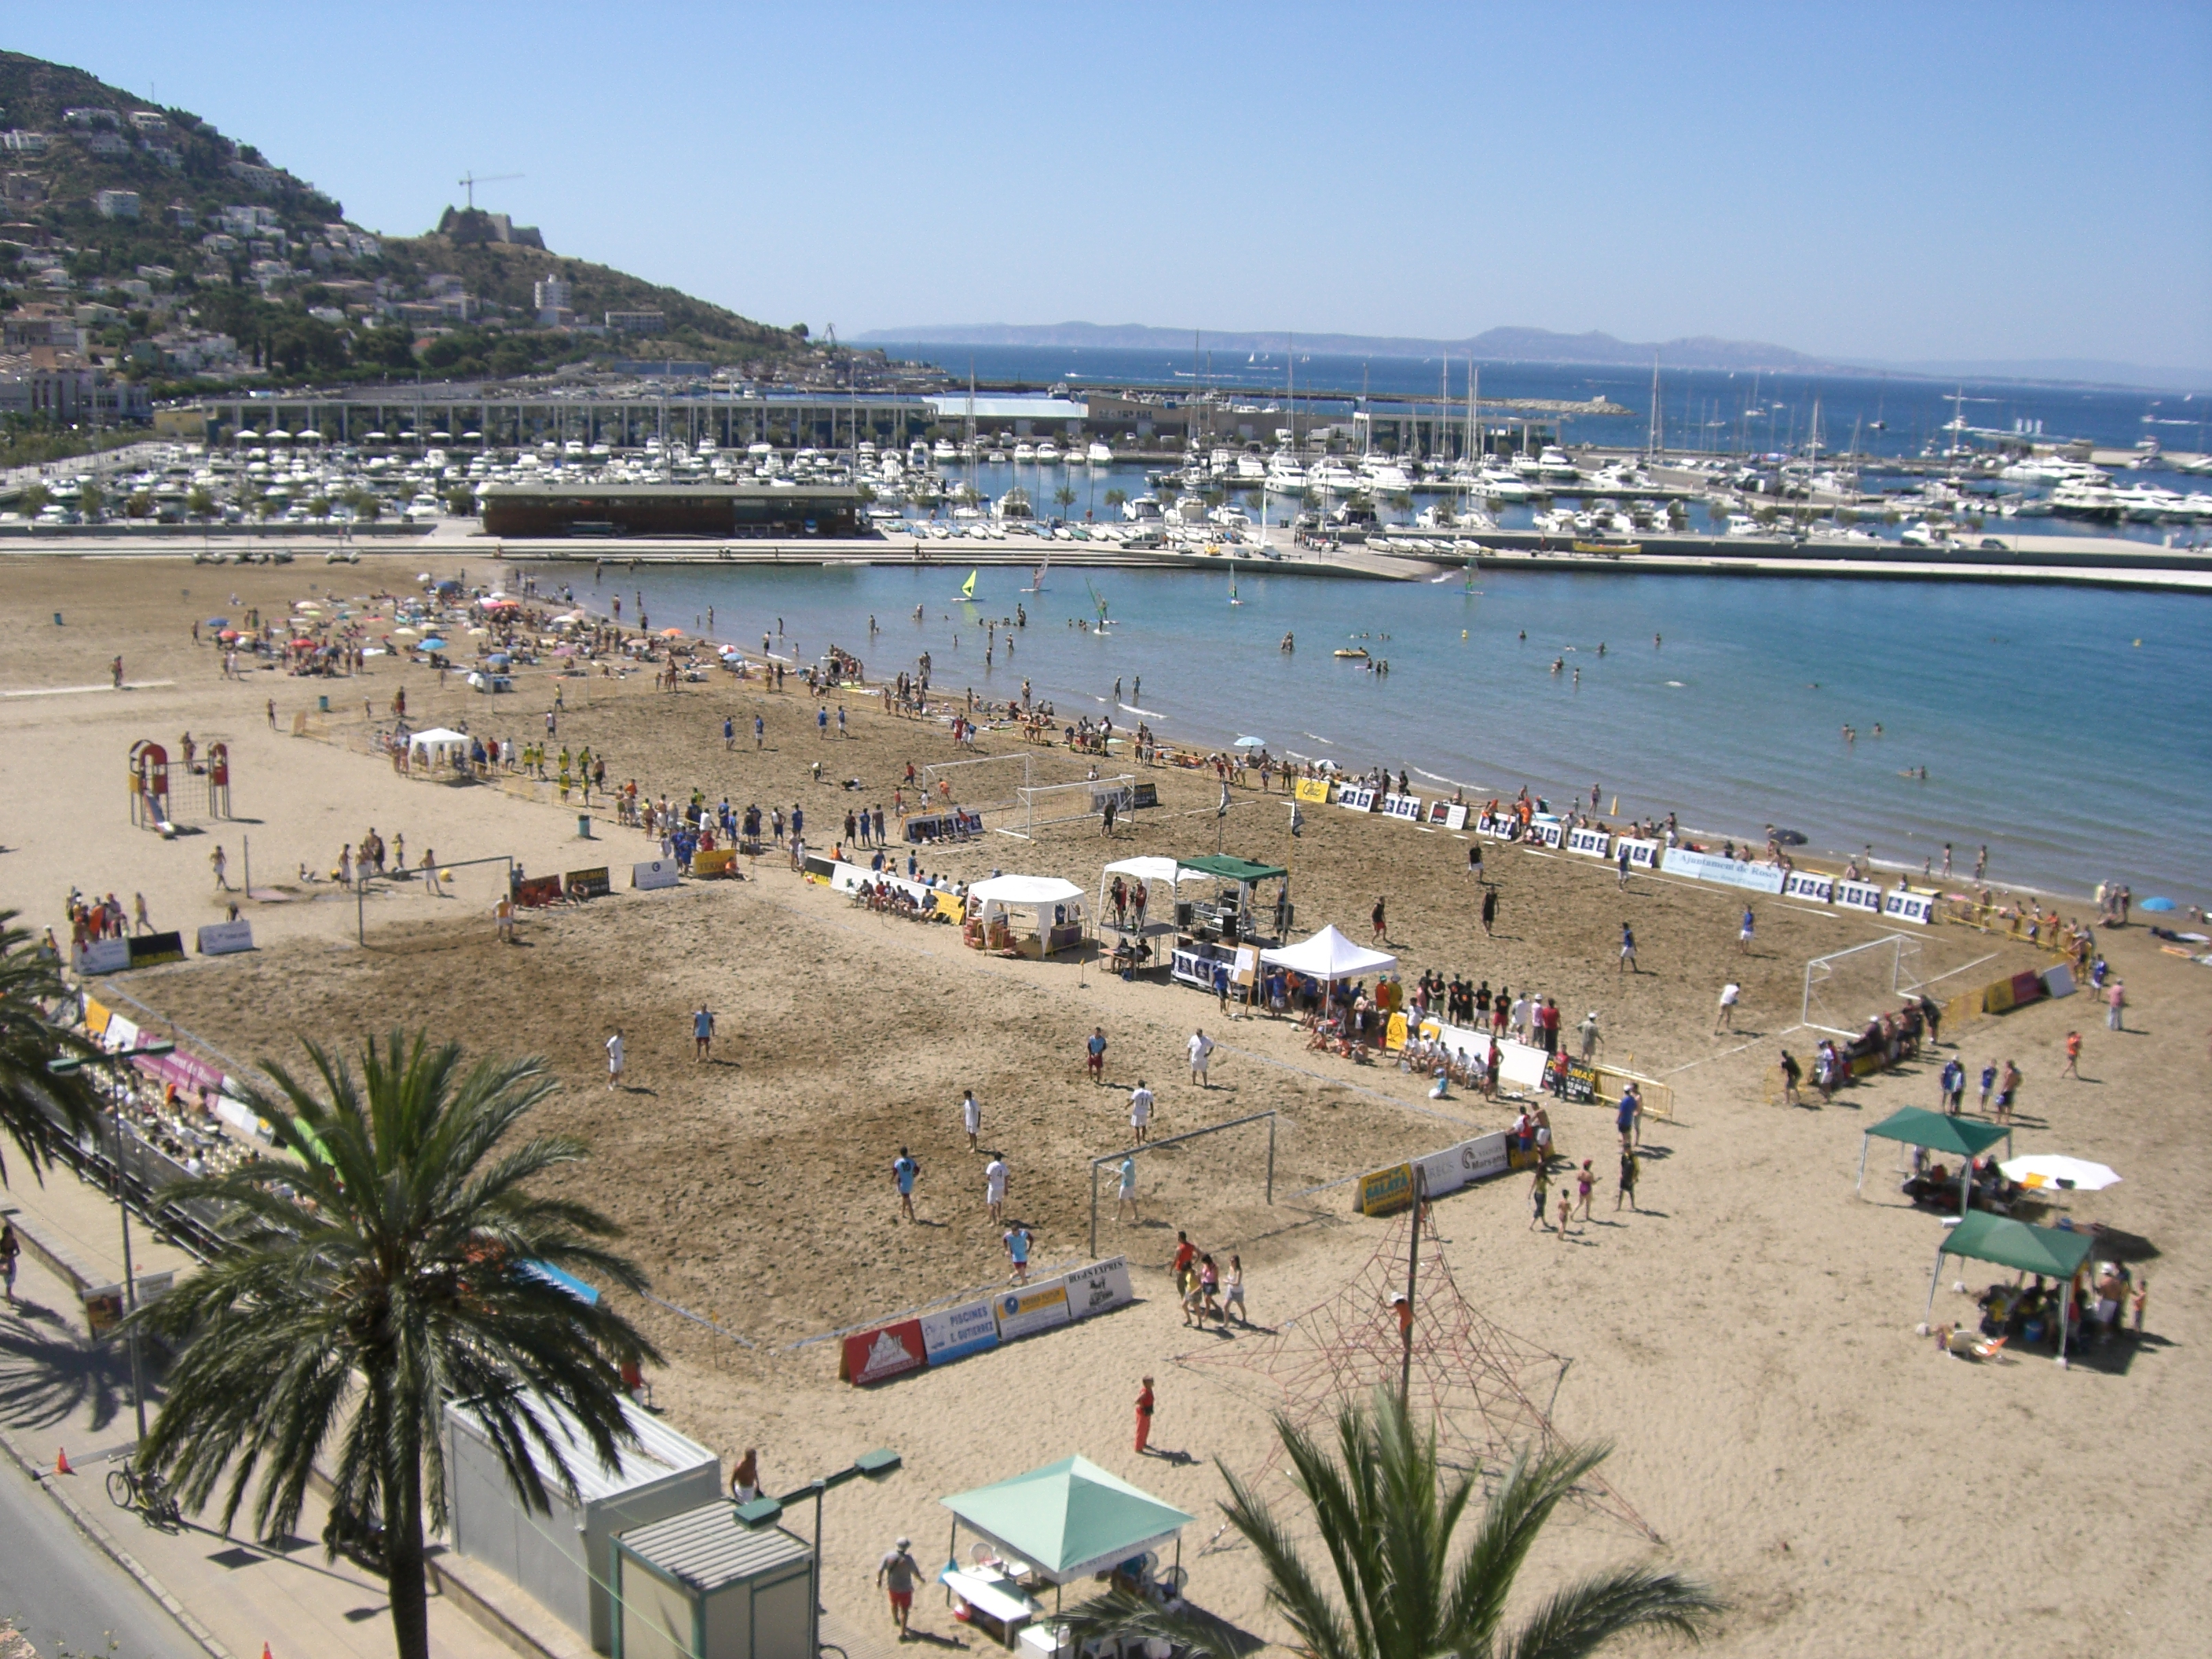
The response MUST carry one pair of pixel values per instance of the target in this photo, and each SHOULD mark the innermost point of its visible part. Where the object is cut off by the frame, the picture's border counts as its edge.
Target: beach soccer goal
(1044, 804)
(1217, 1182)
(988, 783)
(1846, 989)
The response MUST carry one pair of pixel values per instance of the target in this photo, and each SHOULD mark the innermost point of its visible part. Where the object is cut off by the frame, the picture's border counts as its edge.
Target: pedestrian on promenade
(1146, 1403)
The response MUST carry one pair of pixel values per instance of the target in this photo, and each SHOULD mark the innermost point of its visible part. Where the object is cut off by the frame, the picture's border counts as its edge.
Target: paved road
(64, 1595)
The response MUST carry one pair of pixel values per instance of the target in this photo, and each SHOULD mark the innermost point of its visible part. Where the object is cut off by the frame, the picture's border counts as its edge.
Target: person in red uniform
(1143, 1414)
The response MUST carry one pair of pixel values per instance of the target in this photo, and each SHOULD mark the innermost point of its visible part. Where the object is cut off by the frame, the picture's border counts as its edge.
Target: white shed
(702, 1585)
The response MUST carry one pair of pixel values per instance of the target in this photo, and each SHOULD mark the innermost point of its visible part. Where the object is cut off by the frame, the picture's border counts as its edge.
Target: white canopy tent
(1158, 876)
(1330, 956)
(439, 746)
(1056, 905)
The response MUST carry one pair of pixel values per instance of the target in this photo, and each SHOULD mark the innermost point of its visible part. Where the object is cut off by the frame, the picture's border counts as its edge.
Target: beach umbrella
(406, 634)
(217, 621)
(434, 645)
(677, 634)
(2044, 1170)
(2158, 904)
(479, 633)
(1251, 742)
(227, 634)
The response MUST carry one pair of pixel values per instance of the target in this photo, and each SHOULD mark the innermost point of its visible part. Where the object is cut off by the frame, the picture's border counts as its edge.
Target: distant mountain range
(1494, 345)
(1541, 346)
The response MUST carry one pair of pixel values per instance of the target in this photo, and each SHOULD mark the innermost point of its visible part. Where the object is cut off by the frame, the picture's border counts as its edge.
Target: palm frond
(1584, 1616)
(36, 1106)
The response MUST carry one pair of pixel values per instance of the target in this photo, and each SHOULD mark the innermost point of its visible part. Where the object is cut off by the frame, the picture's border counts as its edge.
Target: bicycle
(130, 1489)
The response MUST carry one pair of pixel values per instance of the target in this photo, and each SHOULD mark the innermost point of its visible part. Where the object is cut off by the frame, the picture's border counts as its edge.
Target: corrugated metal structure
(702, 1585)
(566, 1558)
(728, 511)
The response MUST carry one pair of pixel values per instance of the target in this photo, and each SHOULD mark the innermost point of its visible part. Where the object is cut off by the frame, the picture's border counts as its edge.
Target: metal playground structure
(162, 796)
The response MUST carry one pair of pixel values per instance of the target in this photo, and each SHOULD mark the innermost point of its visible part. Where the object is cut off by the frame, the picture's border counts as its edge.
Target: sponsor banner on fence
(221, 938)
(955, 1333)
(878, 1356)
(1445, 814)
(1546, 830)
(1313, 790)
(588, 884)
(1809, 884)
(1518, 1063)
(654, 872)
(185, 1071)
(1903, 904)
(1099, 1287)
(1119, 794)
(1859, 895)
(147, 949)
(2059, 979)
(104, 956)
(1407, 807)
(1464, 1164)
(1642, 854)
(538, 891)
(1729, 872)
(1027, 1308)
(1145, 794)
(1385, 1192)
(718, 861)
(1590, 843)
(1359, 799)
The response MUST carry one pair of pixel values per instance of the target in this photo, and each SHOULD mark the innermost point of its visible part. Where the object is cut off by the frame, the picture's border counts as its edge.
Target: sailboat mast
(1654, 457)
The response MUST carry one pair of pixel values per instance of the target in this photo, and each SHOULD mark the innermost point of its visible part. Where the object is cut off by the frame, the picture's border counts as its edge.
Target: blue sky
(1873, 181)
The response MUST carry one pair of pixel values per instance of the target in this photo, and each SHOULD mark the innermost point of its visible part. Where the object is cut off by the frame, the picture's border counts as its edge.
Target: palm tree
(1115, 498)
(35, 1105)
(1387, 1520)
(1065, 498)
(388, 1270)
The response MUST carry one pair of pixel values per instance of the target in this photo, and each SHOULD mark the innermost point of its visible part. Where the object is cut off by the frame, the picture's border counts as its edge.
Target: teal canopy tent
(1067, 1520)
(1963, 1138)
(2056, 1253)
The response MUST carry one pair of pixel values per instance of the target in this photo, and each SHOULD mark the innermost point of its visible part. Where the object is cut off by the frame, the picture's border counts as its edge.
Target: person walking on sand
(1126, 1194)
(1620, 858)
(615, 1060)
(2073, 1056)
(1743, 934)
(729, 733)
(2116, 996)
(1201, 1055)
(1566, 1212)
(994, 1188)
(1592, 1038)
(1628, 949)
(904, 1170)
(703, 1034)
(971, 1118)
(1627, 1193)
(896, 1573)
(1140, 1111)
(1145, 1407)
(744, 1479)
(142, 923)
(1585, 1184)
(1489, 913)
(1232, 1293)
(1016, 1241)
(1540, 1195)
(504, 917)
(220, 863)
(1725, 1021)
(1627, 1116)
(1380, 932)
(1094, 1055)
(11, 1250)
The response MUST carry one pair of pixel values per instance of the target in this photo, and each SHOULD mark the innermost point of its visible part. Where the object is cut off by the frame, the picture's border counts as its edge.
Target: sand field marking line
(72, 690)
(1773, 1037)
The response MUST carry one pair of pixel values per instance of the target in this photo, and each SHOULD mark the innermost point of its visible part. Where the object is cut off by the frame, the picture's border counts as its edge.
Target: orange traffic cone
(266, 1653)
(62, 1462)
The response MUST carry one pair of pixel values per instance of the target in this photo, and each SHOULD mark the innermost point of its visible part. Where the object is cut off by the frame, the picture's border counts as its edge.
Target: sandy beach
(1745, 1338)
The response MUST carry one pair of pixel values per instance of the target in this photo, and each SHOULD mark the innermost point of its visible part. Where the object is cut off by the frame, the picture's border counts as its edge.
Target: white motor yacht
(1502, 484)
(945, 450)
(1332, 474)
(1142, 509)
(1099, 453)
(1025, 454)
(1553, 464)
(1047, 453)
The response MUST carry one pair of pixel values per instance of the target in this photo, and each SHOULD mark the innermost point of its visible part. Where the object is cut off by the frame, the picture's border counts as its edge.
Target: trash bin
(323, 705)
(584, 826)
(57, 619)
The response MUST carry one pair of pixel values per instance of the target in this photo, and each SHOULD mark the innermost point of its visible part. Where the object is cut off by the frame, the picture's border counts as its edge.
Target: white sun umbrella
(2044, 1170)
(1251, 742)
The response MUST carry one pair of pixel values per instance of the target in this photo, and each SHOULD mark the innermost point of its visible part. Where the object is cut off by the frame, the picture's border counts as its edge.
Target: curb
(100, 1537)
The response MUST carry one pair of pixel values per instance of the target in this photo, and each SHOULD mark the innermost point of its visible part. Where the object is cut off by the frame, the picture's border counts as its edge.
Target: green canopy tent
(2056, 1253)
(1067, 1520)
(1939, 1132)
(1225, 866)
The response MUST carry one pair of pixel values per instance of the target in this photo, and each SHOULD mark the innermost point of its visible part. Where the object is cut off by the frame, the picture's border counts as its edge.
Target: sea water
(2069, 730)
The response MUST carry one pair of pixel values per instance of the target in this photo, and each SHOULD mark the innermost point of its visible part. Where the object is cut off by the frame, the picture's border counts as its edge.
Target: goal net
(1044, 804)
(1846, 989)
(988, 783)
(1216, 1182)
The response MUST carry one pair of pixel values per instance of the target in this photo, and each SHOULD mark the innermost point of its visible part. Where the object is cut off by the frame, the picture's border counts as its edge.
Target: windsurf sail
(968, 588)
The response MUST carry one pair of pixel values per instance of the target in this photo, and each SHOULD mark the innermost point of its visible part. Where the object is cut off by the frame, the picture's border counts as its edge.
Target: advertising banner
(1027, 1308)
(147, 949)
(1546, 830)
(1386, 1191)
(877, 1355)
(1727, 872)
(654, 872)
(1810, 886)
(221, 938)
(104, 956)
(1859, 895)
(1098, 1288)
(955, 1333)
(721, 861)
(1496, 826)
(537, 891)
(1642, 854)
(1903, 904)
(588, 884)
(1590, 843)
(1313, 790)
(1407, 807)
(1145, 794)
(1361, 800)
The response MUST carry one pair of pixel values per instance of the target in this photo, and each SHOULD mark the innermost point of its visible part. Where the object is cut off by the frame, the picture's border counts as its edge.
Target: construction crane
(469, 181)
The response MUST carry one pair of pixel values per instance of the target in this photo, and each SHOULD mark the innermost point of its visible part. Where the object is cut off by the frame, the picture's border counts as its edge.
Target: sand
(1746, 1341)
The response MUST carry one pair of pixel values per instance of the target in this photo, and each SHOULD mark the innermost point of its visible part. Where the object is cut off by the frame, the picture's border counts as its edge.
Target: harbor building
(736, 511)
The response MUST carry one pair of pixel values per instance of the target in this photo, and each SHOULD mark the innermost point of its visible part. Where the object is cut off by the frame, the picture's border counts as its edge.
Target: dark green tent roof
(2054, 1252)
(1939, 1132)
(1230, 869)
